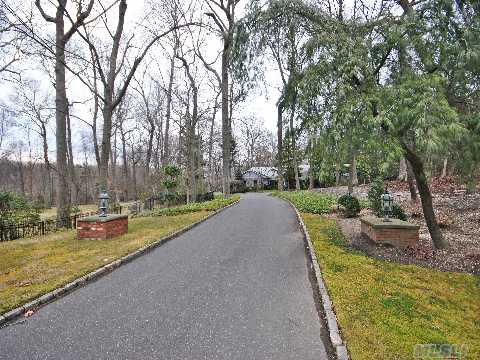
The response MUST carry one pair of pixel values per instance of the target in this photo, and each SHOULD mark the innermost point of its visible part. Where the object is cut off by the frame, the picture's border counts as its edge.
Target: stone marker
(102, 227)
(394, 232)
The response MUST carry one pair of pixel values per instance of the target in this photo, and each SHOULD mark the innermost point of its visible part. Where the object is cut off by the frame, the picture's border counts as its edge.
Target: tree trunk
(294, 148)
(46, 161)
(21, 179)
(411, 183)
(134, 175)
(71, 165)
(226, 131)
(353, 170)
(106, 144)
(444, 169)
(402, 170)
(125, 165)
(280, 143)
(427, 204)
(113, 163)
(63, 198)
(166, 141)
(311, 178)
(350, 175)
(210, 145)
(337, 174)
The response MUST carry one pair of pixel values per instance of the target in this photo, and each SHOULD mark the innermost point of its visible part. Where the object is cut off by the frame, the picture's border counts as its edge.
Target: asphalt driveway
(234, 287)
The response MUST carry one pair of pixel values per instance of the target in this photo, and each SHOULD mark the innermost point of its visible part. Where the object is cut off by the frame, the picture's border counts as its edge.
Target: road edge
(99, 272)
(333, 328)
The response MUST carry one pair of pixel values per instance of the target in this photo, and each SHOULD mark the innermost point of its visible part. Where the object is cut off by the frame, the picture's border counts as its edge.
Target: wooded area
(367, 89)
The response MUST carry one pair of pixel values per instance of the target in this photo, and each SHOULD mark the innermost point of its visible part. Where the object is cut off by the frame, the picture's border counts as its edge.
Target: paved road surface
(234, 287)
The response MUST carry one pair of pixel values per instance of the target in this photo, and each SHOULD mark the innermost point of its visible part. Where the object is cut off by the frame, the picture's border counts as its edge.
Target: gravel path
(234, 287)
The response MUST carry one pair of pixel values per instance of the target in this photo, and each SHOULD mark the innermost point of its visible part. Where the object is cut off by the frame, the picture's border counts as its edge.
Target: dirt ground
(458, 214)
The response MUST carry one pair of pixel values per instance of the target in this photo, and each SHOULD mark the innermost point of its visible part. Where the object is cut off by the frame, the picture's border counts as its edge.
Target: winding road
(234, 287)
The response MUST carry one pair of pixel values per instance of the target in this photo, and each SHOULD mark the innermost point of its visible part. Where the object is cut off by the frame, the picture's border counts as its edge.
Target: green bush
(398, 212)
(350, 205)
(308, 201)
(14, 208)
(374, 196)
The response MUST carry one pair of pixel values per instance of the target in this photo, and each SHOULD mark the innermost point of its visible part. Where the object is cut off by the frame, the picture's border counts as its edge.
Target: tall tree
(113, 92)
(223, 14)
(62, 37)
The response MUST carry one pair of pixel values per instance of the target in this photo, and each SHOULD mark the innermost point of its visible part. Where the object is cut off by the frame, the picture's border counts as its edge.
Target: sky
(260, 103)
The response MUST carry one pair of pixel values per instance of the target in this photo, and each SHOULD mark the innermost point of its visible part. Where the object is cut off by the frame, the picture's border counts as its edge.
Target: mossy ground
(385, 308)
(34, 266)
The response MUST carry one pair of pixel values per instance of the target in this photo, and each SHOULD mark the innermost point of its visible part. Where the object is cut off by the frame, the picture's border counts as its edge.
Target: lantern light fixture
(103, 203)
(387, 204)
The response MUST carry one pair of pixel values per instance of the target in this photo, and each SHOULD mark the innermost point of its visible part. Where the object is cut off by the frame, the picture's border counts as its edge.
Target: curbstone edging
(95, 274)
(332, 324)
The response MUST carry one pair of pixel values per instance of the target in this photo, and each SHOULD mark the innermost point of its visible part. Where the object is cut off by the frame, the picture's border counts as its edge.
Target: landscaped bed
(34, 266)
(386, 308)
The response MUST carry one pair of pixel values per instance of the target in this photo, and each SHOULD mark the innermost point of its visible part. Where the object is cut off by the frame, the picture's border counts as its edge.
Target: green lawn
(385, 308)
(52, 212)
(34, 266)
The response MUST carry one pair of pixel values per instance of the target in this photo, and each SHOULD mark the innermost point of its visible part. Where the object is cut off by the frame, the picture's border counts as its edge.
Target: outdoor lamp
(387, 204)
(103, 203)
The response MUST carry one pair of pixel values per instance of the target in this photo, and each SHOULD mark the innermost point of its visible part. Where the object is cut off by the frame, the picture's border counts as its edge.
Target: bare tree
(37, 109)
(190, 126)
(223, 14)
(250, 134)
(62, 37)
(5, 125)
(11, 42)
(113, 93)
(151, 105)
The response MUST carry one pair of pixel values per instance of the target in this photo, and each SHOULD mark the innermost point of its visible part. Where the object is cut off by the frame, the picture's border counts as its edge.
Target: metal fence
(14, 231)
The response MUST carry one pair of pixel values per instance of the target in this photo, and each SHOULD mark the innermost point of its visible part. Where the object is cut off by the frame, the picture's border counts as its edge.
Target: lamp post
(387, 204)
(103, 203)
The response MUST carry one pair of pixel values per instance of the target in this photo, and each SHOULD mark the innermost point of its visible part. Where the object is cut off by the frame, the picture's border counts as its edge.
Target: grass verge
(385, 309)
(32, 267)
(212, 205)
(308, 201)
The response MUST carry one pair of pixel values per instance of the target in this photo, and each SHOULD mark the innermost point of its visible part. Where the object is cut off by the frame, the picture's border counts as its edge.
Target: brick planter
(396, 232)
(98, 227)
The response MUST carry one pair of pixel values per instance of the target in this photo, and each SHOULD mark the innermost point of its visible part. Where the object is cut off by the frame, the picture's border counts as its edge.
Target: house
(260, 177)
(303, 171)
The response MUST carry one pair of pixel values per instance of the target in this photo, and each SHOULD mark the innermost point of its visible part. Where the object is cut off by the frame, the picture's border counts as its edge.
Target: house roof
(265, 171)
(304, 169)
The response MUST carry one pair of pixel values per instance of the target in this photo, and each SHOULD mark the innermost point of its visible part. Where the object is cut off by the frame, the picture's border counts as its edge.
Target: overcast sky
(260, 104)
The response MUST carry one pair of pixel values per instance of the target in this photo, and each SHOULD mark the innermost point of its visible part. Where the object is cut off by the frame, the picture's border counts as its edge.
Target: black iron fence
(14, 231)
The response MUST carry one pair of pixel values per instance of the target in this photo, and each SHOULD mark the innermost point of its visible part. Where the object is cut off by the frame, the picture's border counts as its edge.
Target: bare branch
(44, 14)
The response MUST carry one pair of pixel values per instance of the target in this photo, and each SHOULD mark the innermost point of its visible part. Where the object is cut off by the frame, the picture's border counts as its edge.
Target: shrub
(15, 208)
(398, 213)
(374, 196)
(350, 205)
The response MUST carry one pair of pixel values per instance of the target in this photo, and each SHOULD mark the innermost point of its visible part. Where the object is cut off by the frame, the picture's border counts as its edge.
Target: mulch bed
(458, 214)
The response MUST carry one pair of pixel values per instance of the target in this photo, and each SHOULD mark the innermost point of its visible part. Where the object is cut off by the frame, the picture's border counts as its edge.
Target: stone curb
(81, 281)
(332, 324)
